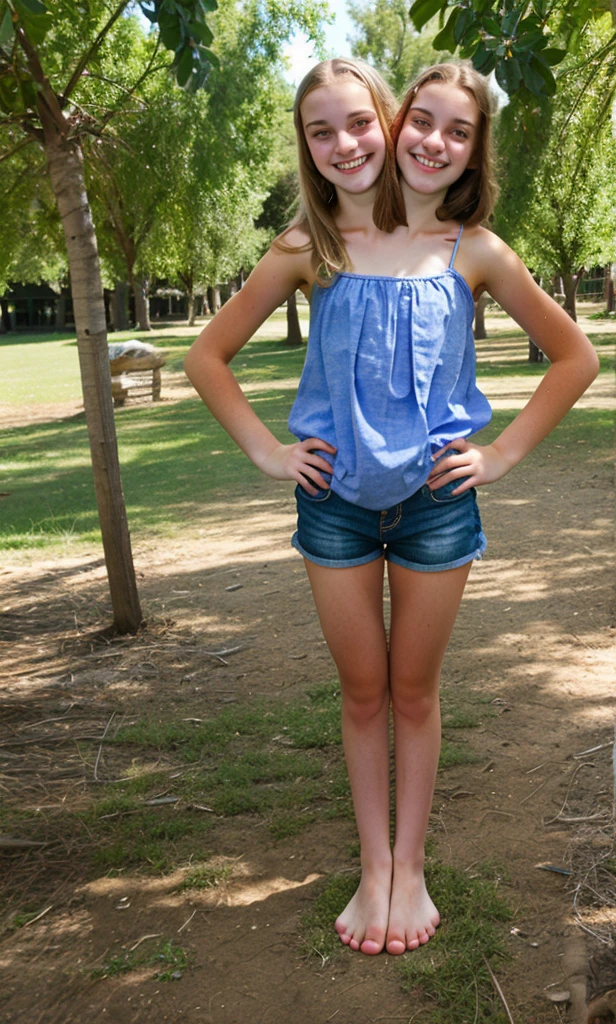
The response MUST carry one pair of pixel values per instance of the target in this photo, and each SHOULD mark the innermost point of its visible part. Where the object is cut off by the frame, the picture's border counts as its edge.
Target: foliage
(558, 201)
(387, 39)
(520, 40)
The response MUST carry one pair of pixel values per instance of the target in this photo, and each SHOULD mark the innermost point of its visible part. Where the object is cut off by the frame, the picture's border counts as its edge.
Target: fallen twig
(499, 991)
(182, 927)
(39, 916)
(100, 749)
(143, 938)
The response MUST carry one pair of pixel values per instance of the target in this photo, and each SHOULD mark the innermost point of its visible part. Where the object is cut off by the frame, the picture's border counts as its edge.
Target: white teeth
(428, 163)
(352, 163)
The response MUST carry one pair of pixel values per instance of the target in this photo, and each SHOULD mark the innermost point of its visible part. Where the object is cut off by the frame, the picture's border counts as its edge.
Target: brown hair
(471, 198)
(318, 196)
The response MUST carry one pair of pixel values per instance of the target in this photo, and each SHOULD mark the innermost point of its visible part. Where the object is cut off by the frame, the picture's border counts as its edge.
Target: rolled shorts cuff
(332, 563)
(418, 567)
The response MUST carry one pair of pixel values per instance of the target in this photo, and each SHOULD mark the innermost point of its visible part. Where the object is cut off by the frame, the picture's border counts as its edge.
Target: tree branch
(87, 57)
(15, 149)
(47, 97)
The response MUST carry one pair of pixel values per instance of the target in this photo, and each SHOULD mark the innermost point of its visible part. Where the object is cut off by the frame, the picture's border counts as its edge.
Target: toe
(413, 943)
(371, 947)
(396, 946)
(354, 944)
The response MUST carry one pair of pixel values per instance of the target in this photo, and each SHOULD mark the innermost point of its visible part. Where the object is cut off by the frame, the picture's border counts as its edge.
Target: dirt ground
(535, 636)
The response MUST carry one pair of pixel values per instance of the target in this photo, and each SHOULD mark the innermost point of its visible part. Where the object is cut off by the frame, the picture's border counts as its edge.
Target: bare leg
(423, 611)
(350, 607)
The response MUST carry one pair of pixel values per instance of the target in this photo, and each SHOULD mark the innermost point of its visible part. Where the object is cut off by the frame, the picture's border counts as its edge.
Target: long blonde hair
(471, 198)
(318, 196)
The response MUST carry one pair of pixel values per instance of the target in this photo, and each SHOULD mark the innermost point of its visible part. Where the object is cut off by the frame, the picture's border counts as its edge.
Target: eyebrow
(356, 113)
(456, 120)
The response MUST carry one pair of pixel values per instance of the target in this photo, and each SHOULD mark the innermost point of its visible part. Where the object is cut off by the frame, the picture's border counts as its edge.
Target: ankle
(376, 864)
(409, 860)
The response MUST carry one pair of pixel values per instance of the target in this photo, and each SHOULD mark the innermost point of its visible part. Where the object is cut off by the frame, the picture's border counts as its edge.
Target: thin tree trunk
(294, 331)
(480, 320)
(570, 285)
(65, 163)
(216, 300)
(609, 286)
(191, 308)
(59, 320)
(142, 303)
(120, 306)
(535, 355)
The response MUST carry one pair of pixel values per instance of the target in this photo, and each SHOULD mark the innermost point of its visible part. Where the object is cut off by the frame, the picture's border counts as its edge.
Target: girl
(386, 405)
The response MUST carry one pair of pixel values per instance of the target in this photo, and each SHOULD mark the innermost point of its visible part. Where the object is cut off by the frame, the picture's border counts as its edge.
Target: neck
(354, 212)
(421, 209)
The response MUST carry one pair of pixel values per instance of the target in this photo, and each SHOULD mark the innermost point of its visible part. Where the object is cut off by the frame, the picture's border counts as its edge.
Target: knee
(416, 704)
(362, 704)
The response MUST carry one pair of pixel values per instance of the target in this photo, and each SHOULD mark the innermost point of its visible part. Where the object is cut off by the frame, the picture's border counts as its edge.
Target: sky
(299, 50)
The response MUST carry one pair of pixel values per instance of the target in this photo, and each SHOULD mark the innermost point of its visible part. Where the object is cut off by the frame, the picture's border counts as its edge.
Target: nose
(345, 142)
(434, 141)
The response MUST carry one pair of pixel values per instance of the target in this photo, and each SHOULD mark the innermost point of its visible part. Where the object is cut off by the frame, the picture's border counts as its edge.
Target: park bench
(135, 370)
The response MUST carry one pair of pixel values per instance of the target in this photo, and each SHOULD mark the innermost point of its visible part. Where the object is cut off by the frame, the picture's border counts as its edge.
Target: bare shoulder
(487, 260)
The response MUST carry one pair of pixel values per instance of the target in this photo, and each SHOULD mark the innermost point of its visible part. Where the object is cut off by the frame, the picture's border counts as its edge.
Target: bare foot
(362, 924)
(413, 918)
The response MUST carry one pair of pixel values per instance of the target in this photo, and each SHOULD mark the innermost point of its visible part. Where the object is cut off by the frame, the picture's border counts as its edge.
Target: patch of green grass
(285, 825)
(205, 876)
(449, 974)
(171, 958)
(22, 917)
(460, 718)
(454, 754)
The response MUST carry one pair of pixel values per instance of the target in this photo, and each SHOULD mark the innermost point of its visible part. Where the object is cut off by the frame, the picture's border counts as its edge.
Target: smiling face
(344, 134)
(439, 137)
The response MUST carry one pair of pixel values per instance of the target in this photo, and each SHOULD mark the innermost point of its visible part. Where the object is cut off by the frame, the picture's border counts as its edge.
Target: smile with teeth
(428, 163)
(350, 164)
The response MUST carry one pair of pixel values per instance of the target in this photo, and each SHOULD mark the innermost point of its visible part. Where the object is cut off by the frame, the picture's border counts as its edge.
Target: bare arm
(275, 277)
(573, 366)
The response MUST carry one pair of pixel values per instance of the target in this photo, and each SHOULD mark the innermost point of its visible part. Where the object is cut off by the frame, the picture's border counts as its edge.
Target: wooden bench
(136, 375)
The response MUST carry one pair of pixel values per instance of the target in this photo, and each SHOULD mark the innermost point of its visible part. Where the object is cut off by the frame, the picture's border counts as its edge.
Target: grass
(279, 764)
(178, 464)
(171, 959)
(449, 976)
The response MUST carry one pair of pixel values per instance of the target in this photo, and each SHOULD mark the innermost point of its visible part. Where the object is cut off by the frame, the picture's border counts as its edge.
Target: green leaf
(10, 97)
(185, 65)
(463, 23)
(422, 10)
(445, 40)
(34, 7)
(7, 30)
(209, 5)
(549, 84)
(509, 75)
(541, 8)
(200, 32)
(553, 56)
(484, 61)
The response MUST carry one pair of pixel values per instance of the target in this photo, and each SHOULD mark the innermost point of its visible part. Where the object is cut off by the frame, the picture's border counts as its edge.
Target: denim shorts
(428, 532)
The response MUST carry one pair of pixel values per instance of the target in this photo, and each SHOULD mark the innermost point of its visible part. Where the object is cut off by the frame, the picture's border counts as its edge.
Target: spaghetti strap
(455, 248)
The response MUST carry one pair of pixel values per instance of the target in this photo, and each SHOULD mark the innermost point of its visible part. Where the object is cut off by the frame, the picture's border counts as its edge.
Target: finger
(317, 443)
(464, 472)
(309, 476)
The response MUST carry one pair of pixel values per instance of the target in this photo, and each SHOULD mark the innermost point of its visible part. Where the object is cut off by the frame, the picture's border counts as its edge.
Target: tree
(44, 54)
(522, 40)
(387, 39)
(558, 203)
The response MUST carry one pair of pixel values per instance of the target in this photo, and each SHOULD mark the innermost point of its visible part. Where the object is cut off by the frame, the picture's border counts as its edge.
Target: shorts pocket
(322, 494)
(443, 496)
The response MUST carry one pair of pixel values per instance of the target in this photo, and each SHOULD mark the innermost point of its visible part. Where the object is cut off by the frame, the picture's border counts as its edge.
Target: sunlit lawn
(175, 458)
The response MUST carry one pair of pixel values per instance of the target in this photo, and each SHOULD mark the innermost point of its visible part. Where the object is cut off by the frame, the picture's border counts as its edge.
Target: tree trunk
(294, 331)
(480, 320)
(216, 302)
(610, 304)
(120, 306)
(570, 285)
(60, 313)
(65, 162)
(535, 355)
(142, 303)
(191, 308)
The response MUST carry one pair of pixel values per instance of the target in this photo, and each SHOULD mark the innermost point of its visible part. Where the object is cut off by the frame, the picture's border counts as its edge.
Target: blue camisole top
(389, 379)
